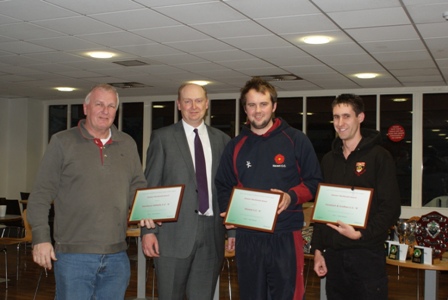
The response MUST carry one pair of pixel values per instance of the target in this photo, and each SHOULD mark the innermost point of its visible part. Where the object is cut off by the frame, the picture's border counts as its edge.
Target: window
(162, 114)
(222, 115)
(132, 123)
(57, 119)
(77, 114)
(396, 129)
(290, 109)
(435, 150)
(320, 124)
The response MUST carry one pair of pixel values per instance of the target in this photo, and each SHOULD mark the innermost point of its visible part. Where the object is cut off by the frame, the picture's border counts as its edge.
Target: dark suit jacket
(169, 162)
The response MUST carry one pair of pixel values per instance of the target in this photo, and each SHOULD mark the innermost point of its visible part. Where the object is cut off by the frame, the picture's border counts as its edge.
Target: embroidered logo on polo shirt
(360, 168)
(279, 160)
(248, 164)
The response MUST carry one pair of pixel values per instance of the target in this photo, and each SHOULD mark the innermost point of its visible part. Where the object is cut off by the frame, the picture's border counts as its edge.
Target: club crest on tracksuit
(360, 168)
(279, 160)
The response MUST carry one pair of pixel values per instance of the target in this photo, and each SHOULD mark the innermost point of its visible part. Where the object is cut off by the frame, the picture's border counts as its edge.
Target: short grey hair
(102, 86)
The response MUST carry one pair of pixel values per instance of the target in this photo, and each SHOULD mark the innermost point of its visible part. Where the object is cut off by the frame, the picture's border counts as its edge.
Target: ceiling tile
(385, 33)
(86, 7)
(76, 25)
(135, 19)
(243, 28)
(273, 9)
(197, 13)
(370, 18)
(116, 39)
(256, 42)
(26, 31)
(180, 33)
(199, 46)
(31, 10)
(309, 24)
(354, 5)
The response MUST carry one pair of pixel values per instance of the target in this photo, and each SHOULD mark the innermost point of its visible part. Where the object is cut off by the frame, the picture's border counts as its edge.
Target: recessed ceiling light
(400, 99)
(65, 89)
(158, 106)
(366, 75)
(200, 82)
(316, 39)
(100, 54)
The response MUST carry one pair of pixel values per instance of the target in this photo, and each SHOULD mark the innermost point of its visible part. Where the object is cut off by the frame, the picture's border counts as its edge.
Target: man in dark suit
(188, 253)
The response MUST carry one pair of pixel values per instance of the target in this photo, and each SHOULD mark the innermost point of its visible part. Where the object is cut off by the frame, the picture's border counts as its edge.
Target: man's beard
(260, 126)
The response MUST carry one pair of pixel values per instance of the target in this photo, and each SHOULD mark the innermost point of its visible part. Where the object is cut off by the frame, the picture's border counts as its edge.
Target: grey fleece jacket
(92, 186)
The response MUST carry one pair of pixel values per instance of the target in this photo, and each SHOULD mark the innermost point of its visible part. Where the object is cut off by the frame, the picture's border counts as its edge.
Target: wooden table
(431, 274)
(10, 218)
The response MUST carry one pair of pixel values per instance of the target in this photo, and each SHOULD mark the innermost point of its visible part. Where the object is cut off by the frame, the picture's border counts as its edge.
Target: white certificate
(158, 203)
(348, 204)
(253, 209)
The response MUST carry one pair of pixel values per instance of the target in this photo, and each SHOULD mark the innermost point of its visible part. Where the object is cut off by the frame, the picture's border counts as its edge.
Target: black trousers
(270, 266)
(356, 274)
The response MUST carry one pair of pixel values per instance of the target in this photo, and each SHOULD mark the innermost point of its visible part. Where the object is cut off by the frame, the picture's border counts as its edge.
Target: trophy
(405, 230)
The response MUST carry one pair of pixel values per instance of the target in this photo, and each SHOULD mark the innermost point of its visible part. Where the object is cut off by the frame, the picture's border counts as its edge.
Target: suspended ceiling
(43, 44)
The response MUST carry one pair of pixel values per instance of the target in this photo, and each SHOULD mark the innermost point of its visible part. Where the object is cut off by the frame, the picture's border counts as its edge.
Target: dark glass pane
(162, 114)
(222, 115)
(57, 119)
(369, 111)
(396, 130)
(290, 109)
(77, 114)
(132, 123)
(320, 128)
(435, 150)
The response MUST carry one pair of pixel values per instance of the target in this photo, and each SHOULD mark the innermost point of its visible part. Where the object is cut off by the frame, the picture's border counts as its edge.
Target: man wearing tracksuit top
(353, 259)
(269, 155)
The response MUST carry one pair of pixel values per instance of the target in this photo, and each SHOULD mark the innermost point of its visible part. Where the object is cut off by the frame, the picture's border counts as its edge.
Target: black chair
(24, 195)
(13, 208)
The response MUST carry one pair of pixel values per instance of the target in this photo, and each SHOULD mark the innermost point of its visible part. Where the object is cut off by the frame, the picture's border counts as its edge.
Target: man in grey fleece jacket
(91, 173)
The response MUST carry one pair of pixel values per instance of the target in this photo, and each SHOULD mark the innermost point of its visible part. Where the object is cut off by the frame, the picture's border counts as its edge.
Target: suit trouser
(194, 276)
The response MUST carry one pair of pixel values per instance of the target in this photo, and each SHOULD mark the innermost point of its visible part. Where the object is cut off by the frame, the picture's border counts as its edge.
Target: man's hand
(230, 245)
(346, 230)
(319, 264)
(149, 223)
(150, 245)
(227, 226)
(284, 202)
(43, 255)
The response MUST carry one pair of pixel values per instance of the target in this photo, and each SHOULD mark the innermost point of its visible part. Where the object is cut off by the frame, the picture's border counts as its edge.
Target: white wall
(36, 144)
(4, 106)
(14, 139)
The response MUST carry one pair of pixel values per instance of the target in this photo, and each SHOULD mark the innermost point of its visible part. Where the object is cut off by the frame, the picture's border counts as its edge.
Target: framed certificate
(253, 209)
(348, 204)
(161, 204)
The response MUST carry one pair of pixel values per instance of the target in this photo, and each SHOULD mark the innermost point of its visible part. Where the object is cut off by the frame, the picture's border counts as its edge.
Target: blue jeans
(91, 276)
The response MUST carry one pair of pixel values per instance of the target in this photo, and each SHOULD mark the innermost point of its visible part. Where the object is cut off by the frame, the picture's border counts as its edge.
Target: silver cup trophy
(405, 230)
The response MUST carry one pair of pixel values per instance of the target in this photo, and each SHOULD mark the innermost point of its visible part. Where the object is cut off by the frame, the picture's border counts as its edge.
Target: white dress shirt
(203, 135)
